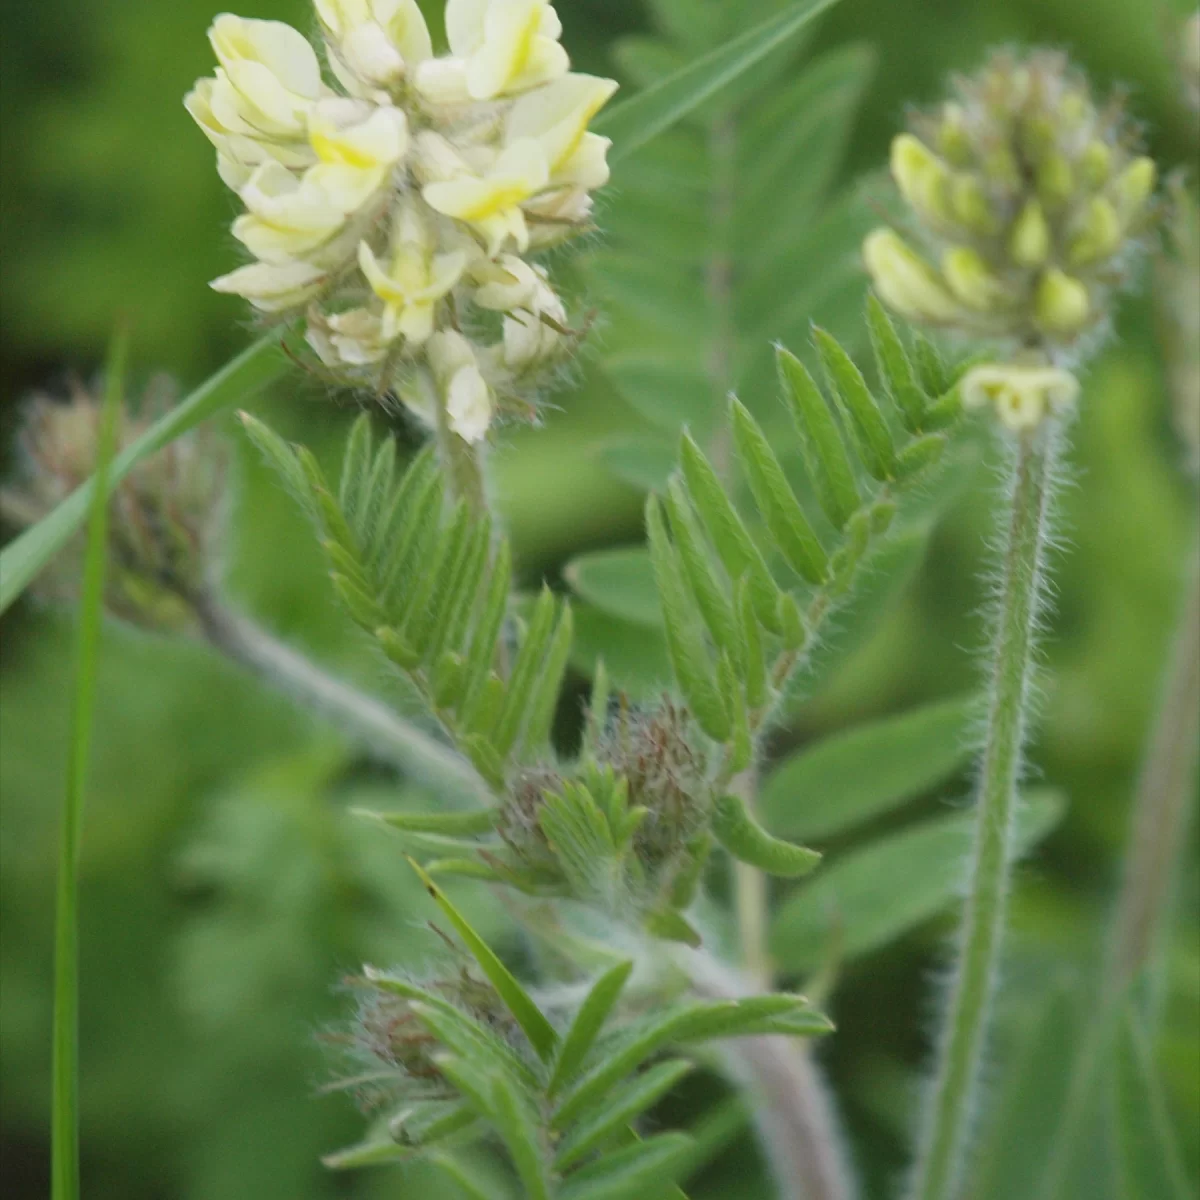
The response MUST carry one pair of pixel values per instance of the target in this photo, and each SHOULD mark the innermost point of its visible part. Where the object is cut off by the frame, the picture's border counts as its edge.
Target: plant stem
(950, 1104)
(365, 718)
(64, 1101)
(792, 1108)
(1160, 807)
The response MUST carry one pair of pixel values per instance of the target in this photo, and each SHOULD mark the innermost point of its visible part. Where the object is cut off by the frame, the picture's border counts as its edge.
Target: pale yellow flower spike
(1022, 396)
(415, 280)
(491, 203)
(505, 46)
(403, 201)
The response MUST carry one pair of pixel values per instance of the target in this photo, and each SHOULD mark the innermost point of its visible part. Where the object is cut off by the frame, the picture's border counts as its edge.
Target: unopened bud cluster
(398, 209)
(391, 1054)
(163, 515)
(1027, 196)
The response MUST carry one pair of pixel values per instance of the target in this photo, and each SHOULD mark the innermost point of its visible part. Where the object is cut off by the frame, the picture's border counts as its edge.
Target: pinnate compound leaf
(537, 1029)
(851, 777)
(635, 122)
(874, 894)
(617, 1056)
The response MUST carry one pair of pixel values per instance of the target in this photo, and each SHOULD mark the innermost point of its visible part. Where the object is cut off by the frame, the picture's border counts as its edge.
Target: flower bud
(1029, 243)
(971, 280)
(1133, 187)
(1098, 235)
(1032, 225)
(905, 281)
(1061, 304)
(921, 176)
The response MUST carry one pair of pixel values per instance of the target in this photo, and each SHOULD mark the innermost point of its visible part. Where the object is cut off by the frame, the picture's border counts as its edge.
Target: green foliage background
(223, 890)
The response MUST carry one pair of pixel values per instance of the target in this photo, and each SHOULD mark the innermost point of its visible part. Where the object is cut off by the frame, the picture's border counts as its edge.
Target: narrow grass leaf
(64, 1132)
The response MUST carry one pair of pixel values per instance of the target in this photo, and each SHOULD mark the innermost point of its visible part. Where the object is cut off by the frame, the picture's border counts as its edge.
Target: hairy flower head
(1025, 197)
(163, 517)
(387, 197)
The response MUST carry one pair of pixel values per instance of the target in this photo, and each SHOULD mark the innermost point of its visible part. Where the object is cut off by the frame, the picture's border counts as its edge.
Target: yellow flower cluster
(398, 209)
(1026, 196)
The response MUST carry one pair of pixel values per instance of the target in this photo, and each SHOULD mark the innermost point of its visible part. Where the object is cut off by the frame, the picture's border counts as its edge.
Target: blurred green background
(223, 892)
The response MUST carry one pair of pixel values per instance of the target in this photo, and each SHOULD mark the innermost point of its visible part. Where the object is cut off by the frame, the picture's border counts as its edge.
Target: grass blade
(252, 370)
(65, 1096)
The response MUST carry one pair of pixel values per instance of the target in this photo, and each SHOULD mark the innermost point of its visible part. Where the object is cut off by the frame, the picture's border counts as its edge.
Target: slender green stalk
(366, 719)
(1161, 805)
(949, 1111)
(64, 1124)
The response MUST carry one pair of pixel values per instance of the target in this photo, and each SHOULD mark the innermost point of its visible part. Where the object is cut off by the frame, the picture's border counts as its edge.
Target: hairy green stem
(1160, 807)
(366, 719)
(794, 1113)
(951, 1102)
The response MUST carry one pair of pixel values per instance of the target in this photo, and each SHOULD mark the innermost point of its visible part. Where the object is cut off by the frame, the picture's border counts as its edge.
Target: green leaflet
(824, 451)
(615, 1057)
(851, 777)
(518, 1127)
(619, 581)
(871, 433)
(537, 1029)
(626, 1105)
(452, 824)
(630, 1172)
(256, 367)
(635, 122)
(747, 841)
(1149, 1164)
(685, 639)
(876, 893)
(588, 1022)
(782, 512)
